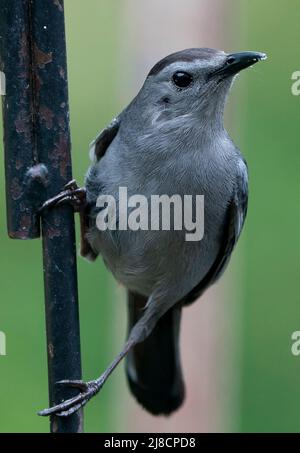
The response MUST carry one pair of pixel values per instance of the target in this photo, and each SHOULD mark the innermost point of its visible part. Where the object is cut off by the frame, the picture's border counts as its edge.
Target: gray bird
(169, 140)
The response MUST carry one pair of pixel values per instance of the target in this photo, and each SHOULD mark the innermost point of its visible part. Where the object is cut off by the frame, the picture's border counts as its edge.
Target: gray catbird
(169, 140)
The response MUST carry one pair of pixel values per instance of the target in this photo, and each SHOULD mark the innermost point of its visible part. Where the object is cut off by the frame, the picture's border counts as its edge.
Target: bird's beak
(235, 62)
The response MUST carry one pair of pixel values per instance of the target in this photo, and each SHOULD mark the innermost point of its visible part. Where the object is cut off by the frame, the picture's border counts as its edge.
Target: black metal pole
(38, 165)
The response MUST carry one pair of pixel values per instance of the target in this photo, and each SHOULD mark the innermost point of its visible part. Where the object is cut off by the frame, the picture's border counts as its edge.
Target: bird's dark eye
(182, 79)
(230, 60)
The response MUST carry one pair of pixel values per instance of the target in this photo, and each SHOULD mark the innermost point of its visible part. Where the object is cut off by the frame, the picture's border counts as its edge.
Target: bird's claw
(68, 407)
(81, 385)
(71, 193)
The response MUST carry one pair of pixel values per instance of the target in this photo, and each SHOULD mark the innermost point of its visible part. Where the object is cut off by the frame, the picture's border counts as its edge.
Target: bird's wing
(235, 218)
(99, 146)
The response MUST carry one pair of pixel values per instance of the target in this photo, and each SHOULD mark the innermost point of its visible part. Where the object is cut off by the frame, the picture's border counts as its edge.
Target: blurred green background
(263, 119)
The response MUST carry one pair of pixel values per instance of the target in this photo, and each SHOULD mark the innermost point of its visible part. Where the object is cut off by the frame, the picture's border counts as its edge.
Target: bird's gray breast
(145, 259)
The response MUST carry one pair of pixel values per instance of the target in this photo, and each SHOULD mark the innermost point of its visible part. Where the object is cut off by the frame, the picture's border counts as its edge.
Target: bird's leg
(139, 333)
(88, 389)
(86, 250)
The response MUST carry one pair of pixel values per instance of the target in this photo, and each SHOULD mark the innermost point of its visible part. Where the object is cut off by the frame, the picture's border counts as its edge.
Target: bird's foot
(68, 407)
(71, 193)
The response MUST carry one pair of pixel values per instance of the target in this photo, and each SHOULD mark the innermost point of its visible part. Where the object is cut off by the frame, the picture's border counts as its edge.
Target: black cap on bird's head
(227, 64)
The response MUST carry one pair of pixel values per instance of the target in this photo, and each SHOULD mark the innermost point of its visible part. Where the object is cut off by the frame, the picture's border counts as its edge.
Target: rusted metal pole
(38, 165)
(18, 126)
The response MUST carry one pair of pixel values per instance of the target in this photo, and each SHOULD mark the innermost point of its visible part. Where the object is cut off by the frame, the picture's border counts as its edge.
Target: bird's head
(192, 83)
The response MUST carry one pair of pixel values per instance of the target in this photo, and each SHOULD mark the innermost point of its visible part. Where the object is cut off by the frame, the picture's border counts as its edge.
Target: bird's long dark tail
(153, 366)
